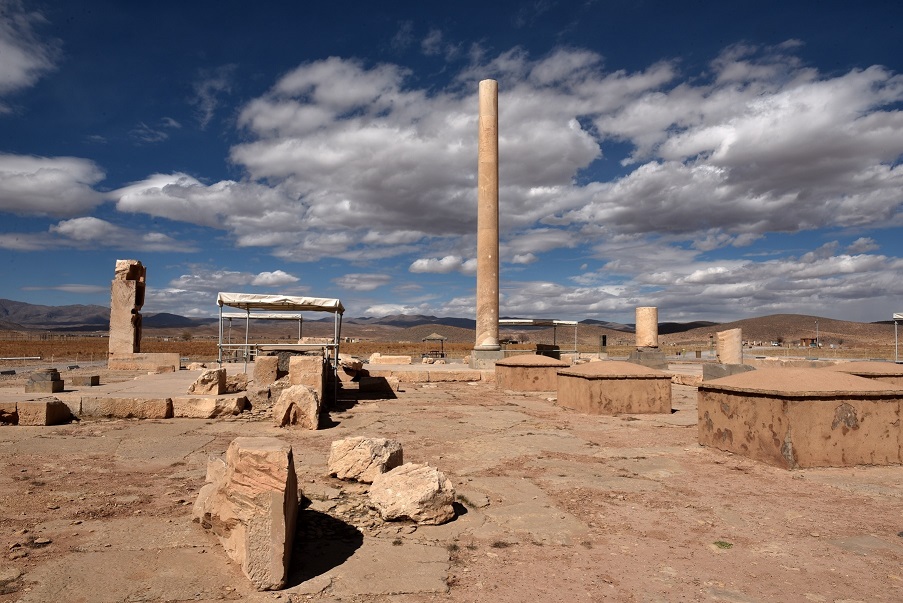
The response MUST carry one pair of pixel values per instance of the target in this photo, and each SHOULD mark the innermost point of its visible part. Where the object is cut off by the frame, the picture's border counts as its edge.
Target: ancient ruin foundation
(607, 388)
(528, 373)
(802, 418)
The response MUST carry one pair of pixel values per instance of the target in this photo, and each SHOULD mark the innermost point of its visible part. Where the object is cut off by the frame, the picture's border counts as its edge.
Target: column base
(485, 359)
(649, 357)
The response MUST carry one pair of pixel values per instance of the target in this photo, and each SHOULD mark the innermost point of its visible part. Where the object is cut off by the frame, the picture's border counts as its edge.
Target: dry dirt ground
(553, 506)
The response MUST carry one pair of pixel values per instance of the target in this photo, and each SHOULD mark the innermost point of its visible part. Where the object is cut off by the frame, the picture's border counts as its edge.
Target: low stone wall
(144, 362)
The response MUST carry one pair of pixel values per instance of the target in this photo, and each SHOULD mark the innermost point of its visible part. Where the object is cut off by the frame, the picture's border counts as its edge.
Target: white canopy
(264, 315)
(254, 301)
(536, 322)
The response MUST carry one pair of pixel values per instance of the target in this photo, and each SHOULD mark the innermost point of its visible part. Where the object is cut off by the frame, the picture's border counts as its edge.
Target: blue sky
(719, 160)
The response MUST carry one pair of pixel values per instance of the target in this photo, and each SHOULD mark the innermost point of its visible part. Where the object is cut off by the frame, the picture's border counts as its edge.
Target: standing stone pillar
(487, 349)
(127, 297)
(646, 327)
(729, 346)
(647, 352)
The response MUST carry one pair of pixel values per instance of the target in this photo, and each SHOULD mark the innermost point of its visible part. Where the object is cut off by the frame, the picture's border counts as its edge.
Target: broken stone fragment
(418, 492)
(363, 459)
(236, 383)
(250, 502)
(297, 406)
(211, 381)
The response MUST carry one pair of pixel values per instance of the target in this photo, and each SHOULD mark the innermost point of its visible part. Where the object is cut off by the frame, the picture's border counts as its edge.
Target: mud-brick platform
(528, 373)
(796, 418)
(614, 387)
(870, 369)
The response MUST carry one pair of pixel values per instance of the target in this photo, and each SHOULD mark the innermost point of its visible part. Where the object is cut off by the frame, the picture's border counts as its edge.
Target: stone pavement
(552, 505)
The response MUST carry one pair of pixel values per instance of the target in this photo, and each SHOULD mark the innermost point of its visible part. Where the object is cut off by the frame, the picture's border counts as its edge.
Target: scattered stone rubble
(417, 492)
(211, 381)
(298, 406)
(363, 459)
(250, 502)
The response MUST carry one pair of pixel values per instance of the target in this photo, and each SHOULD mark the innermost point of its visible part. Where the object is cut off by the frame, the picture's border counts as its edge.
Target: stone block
(144, 362)
(794, 418)
(309, 371)
(613, 387)
(363, 459)
(654, 359)
(711, 370)
(528, 372)
(377, 358)
(8, 413)
(298, 406)
(210, 382)
(266, 370)
(417, 492)
(43, 387)
(208, 407)
(484, 359)
(50, 374)
(454, 376)
(84, 380)
(250, 502)
(126, 408)
(236, 383)
(196, 366)
(43, 412)
(378, 384)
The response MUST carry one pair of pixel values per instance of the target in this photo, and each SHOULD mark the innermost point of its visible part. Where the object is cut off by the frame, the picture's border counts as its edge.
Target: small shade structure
(897, 318)
(277, 307)
(434, 346)
(542, 322)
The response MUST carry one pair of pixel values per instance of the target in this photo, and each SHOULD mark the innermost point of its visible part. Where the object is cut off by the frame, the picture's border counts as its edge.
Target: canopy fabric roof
(536, 322)
(255, 301)
(434, 337)
(266, 315)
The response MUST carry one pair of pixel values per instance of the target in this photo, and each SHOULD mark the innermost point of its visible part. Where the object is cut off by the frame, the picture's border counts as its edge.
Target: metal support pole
(220, 346)
(247, 331)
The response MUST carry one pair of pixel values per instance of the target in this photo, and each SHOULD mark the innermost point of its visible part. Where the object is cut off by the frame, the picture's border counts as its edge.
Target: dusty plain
(553, 506)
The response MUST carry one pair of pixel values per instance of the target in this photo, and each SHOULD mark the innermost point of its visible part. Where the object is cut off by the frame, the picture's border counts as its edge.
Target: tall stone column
(646, 327)
(488, 220)
(729, 346)
(126, 299)
(647, 352)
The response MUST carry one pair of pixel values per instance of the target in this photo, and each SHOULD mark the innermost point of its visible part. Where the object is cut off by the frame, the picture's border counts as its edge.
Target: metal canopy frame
(263, 306)
(897, 318)
(543, 322)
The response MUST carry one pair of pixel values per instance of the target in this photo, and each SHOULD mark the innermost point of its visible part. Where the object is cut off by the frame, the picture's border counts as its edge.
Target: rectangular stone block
(84, 380)
(380, 359)
(144, 362)
(250, 503)
(126, 408)
(309, 371)
(8, 413)
(43, 387)
(449, 376)
(266, 370)
(44, 375)
(208, 407)
(43, 412)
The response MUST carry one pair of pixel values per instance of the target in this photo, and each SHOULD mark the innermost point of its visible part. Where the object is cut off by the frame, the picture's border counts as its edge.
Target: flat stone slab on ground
(208, 407)
(125, 408)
